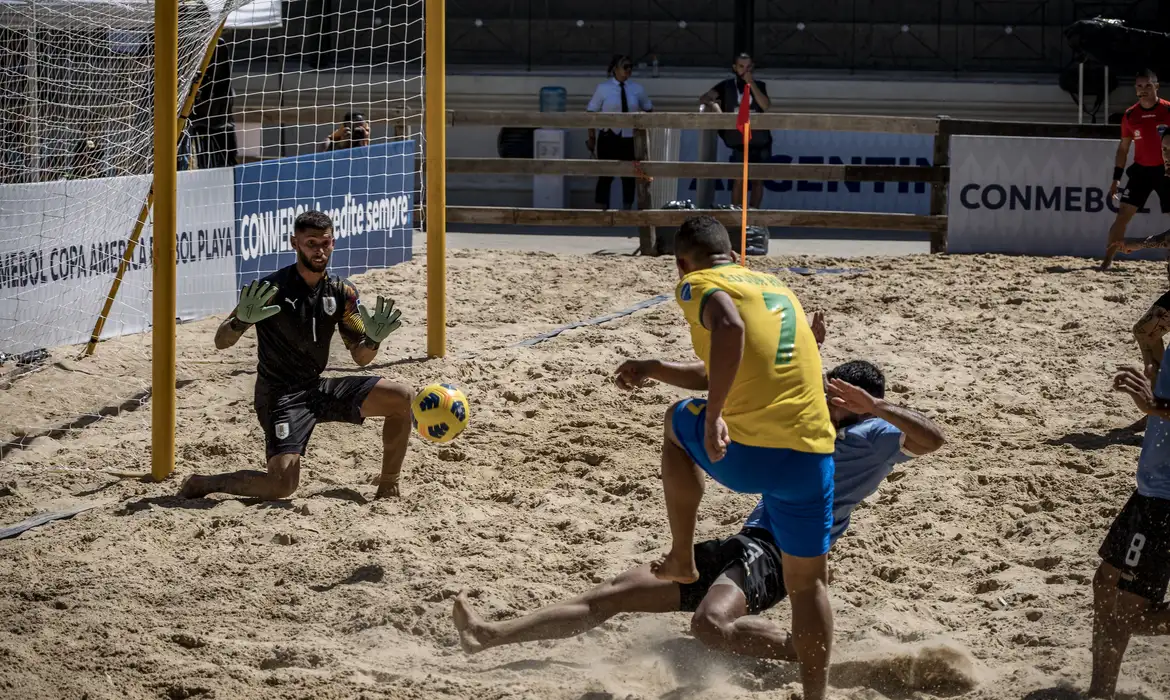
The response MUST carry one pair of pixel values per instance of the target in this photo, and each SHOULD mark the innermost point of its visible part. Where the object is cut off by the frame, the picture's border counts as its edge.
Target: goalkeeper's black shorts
(288, 415)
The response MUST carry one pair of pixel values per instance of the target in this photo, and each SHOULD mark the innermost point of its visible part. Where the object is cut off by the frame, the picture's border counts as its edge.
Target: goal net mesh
(302, 105)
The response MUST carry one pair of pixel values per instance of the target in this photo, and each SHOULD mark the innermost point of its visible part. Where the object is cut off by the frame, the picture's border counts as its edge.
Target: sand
(967, 576)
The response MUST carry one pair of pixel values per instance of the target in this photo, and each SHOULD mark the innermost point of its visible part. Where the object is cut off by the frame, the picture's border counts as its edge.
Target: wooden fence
(936, 175)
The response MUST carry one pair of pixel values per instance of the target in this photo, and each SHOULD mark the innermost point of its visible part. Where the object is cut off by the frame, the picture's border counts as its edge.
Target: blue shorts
(797, 487)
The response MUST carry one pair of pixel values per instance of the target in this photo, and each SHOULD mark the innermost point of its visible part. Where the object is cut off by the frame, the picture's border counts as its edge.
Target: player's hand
(634, 374)
(253, 305)
(591, 144)
(1135, 383)
(384, 321)
(1113, 190)
(715, 437)
(851, 398)
(818, 327)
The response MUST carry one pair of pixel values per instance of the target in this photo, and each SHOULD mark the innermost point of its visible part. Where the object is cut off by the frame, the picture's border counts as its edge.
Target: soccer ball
(439, 412)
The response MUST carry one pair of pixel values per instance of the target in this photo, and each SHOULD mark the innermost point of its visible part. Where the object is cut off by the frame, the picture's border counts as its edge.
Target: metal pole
(745, 29)
(1106, 94)
(1081, 92)
(34, 101)
(708, 150)
(166, 108)
(436, 184)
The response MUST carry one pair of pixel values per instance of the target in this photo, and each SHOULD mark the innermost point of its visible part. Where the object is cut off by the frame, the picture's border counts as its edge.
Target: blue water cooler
(548, 191)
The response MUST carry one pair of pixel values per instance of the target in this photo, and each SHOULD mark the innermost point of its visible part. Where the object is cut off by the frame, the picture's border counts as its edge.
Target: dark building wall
(850, 35)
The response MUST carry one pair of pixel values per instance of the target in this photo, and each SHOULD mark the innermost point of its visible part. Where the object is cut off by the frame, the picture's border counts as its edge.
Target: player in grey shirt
(741, 576)
(1131, 582)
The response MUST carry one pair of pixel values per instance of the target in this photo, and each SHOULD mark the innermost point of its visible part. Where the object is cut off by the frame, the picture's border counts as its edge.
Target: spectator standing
(213, 125)
(353, 132)
(618, 94)
(87, 160)
(725, 97)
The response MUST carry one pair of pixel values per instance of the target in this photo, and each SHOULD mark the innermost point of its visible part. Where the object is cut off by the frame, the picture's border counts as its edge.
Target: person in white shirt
(618, 94)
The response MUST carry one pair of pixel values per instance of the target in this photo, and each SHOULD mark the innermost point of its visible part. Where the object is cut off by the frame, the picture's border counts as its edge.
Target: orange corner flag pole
(747, 135)
(743, 122)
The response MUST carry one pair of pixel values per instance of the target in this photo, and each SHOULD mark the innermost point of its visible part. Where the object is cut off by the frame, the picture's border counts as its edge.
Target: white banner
(61, 243)
(1031, 196)
(258, 14)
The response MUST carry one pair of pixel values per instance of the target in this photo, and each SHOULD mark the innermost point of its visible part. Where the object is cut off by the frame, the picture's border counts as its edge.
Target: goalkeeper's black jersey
(294, 344)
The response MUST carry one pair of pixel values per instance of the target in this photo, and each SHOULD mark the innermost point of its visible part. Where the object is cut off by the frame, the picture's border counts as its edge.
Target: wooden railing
(936, 175)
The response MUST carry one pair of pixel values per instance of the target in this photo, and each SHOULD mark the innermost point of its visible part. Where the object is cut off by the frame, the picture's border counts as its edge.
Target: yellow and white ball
(440, 412)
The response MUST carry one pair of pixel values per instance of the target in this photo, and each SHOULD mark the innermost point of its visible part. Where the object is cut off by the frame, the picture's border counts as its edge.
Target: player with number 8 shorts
(296, 311)
(764, 428)
(1131, 582)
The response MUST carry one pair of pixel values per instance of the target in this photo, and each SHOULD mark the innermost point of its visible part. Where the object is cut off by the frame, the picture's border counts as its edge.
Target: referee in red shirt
(1148, 173)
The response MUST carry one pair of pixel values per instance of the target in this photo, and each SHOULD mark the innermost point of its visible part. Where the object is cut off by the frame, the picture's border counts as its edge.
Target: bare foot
(192, 487)
(387, 491)
(473, 634)
(672, 568)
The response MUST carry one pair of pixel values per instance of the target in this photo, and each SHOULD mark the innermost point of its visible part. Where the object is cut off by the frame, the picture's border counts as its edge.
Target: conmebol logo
(267, 232)
(995, 196)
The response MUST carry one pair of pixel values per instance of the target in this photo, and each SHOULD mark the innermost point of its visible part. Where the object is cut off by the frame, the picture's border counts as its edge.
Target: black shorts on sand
(288, 415)
(754, 551)
(1163, 301)
(1138, 545)
(1144, 179)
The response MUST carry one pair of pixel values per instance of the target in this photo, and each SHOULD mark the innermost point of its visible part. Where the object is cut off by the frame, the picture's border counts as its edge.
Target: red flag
(743, 119)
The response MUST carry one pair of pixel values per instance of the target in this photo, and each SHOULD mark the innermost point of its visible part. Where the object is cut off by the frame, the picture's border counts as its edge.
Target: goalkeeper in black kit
(295, 311)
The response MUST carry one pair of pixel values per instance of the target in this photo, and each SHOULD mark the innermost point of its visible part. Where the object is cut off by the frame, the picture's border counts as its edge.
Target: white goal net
(313, 104)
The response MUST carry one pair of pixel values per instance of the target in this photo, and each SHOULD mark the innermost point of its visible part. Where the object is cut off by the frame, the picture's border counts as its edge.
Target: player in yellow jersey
(764, 427)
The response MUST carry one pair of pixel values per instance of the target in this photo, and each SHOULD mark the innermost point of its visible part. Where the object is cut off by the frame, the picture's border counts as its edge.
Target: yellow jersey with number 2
(777, 398)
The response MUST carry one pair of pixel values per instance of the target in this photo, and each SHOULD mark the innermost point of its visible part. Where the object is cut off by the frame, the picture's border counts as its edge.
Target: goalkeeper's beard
(310, 265)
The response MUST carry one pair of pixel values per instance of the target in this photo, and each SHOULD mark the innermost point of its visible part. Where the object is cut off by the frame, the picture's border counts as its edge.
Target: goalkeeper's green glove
(254, 298)
(384, 321)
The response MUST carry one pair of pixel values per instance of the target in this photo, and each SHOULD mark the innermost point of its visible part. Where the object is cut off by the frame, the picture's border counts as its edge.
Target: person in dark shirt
(293, 336)
(725, 97)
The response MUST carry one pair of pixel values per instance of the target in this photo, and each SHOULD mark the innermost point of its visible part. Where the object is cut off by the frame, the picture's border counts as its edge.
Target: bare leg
(1116, 616)
(807, 581)
(392, 401)
(1149, 332)
(682, 483)
(1154, 623)
(1117, 233)
(280, 481)
(722, 622)
(637, 590)
(736, 193)
(757, 194)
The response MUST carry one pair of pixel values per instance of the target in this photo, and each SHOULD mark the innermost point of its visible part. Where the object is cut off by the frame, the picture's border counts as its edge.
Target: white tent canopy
(125, 14)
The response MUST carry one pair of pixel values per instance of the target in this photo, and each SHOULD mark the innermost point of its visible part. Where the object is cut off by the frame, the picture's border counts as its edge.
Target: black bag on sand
(757, 236)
